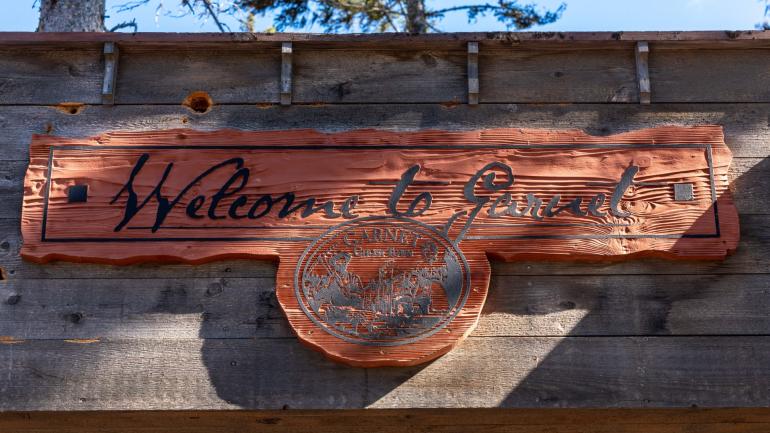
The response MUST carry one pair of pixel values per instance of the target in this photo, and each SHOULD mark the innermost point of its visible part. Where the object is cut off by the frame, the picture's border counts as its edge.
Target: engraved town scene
(413, 284)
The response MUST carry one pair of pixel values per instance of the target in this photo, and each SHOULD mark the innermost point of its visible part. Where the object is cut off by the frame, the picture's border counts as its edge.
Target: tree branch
(124, 25)
(484, 7)
(207, 3)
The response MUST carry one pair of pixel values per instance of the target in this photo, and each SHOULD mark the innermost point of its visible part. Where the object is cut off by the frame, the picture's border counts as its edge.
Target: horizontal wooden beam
(395, 421)
(746, 126)
(529, 37)
(510, 372)
(220, 306)
(383, 76)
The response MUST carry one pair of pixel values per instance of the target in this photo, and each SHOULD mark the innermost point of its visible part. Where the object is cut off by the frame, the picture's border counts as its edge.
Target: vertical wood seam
(286, 72)
(473, 73)
(643, 72)
(111, 54)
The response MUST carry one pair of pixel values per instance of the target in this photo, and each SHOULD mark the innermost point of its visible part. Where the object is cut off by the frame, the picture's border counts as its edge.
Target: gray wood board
(542, 76)
(413, 74)
(538, 372)
(710, 75)
(746, 127)
(51, 76)
(369, 76)
(183, 308)
(168, 76)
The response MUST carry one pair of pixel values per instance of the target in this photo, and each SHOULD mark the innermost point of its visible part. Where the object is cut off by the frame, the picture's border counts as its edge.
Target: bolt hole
(70, 108)
(199, 102)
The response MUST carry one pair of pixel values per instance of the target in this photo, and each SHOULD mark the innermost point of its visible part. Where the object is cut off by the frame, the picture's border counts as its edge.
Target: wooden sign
(382, 237)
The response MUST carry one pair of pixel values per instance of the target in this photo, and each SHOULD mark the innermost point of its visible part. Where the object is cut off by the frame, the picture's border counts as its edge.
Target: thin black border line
(384, 146)
(713, 182)
(47, 193)
(706, 147)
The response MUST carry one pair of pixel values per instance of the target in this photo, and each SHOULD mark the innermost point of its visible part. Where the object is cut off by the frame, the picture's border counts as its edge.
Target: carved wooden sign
(382, 237)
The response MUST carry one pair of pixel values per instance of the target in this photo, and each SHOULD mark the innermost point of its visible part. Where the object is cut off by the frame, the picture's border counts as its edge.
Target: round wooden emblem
(383, 291)
(382, 281)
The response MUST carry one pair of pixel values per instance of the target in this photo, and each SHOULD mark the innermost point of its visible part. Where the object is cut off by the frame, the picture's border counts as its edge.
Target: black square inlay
(77, 194)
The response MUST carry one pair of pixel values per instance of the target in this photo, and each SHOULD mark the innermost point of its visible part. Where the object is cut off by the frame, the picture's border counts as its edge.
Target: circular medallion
(382, 281)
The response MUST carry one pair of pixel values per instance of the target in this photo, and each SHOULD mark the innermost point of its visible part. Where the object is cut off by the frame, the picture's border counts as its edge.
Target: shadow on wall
(646, 332)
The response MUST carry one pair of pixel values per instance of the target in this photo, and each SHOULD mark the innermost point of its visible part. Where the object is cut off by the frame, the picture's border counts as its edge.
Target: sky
(580, 15)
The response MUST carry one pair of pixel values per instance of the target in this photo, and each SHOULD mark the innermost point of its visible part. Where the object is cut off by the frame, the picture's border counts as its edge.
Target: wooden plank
(543, 76)
(561, 37)
(381, 76)
(396, 420)
(585, 372)
(168, 77)
(232, 74)
(174, 308)
(681, 76)
(51, 76)
(184, 308)
(623, 305)
(536, 372)
(746, 129)
(336, 75)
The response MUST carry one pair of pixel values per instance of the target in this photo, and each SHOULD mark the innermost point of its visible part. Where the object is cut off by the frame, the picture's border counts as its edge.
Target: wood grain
(228, 307)
(558, 76)
(45, 76)
(564, 38)
(167, 77)
(390, 420)
(745, 126)
(525, 372)
(453, 167)
(234, 74)
(654, 224)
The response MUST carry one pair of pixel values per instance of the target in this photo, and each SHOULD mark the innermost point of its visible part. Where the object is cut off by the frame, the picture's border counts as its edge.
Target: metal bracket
(286, 66)
(111, 54)
(473, 73)
(643, 71)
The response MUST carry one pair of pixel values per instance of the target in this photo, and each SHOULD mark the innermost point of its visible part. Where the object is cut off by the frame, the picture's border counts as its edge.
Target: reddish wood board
(382, 237)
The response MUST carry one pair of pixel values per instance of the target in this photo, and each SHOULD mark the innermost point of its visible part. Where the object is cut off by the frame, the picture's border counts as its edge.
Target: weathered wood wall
(645, 333)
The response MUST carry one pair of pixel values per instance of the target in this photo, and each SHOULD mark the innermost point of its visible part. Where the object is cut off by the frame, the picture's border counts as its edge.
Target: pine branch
(207, 3)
